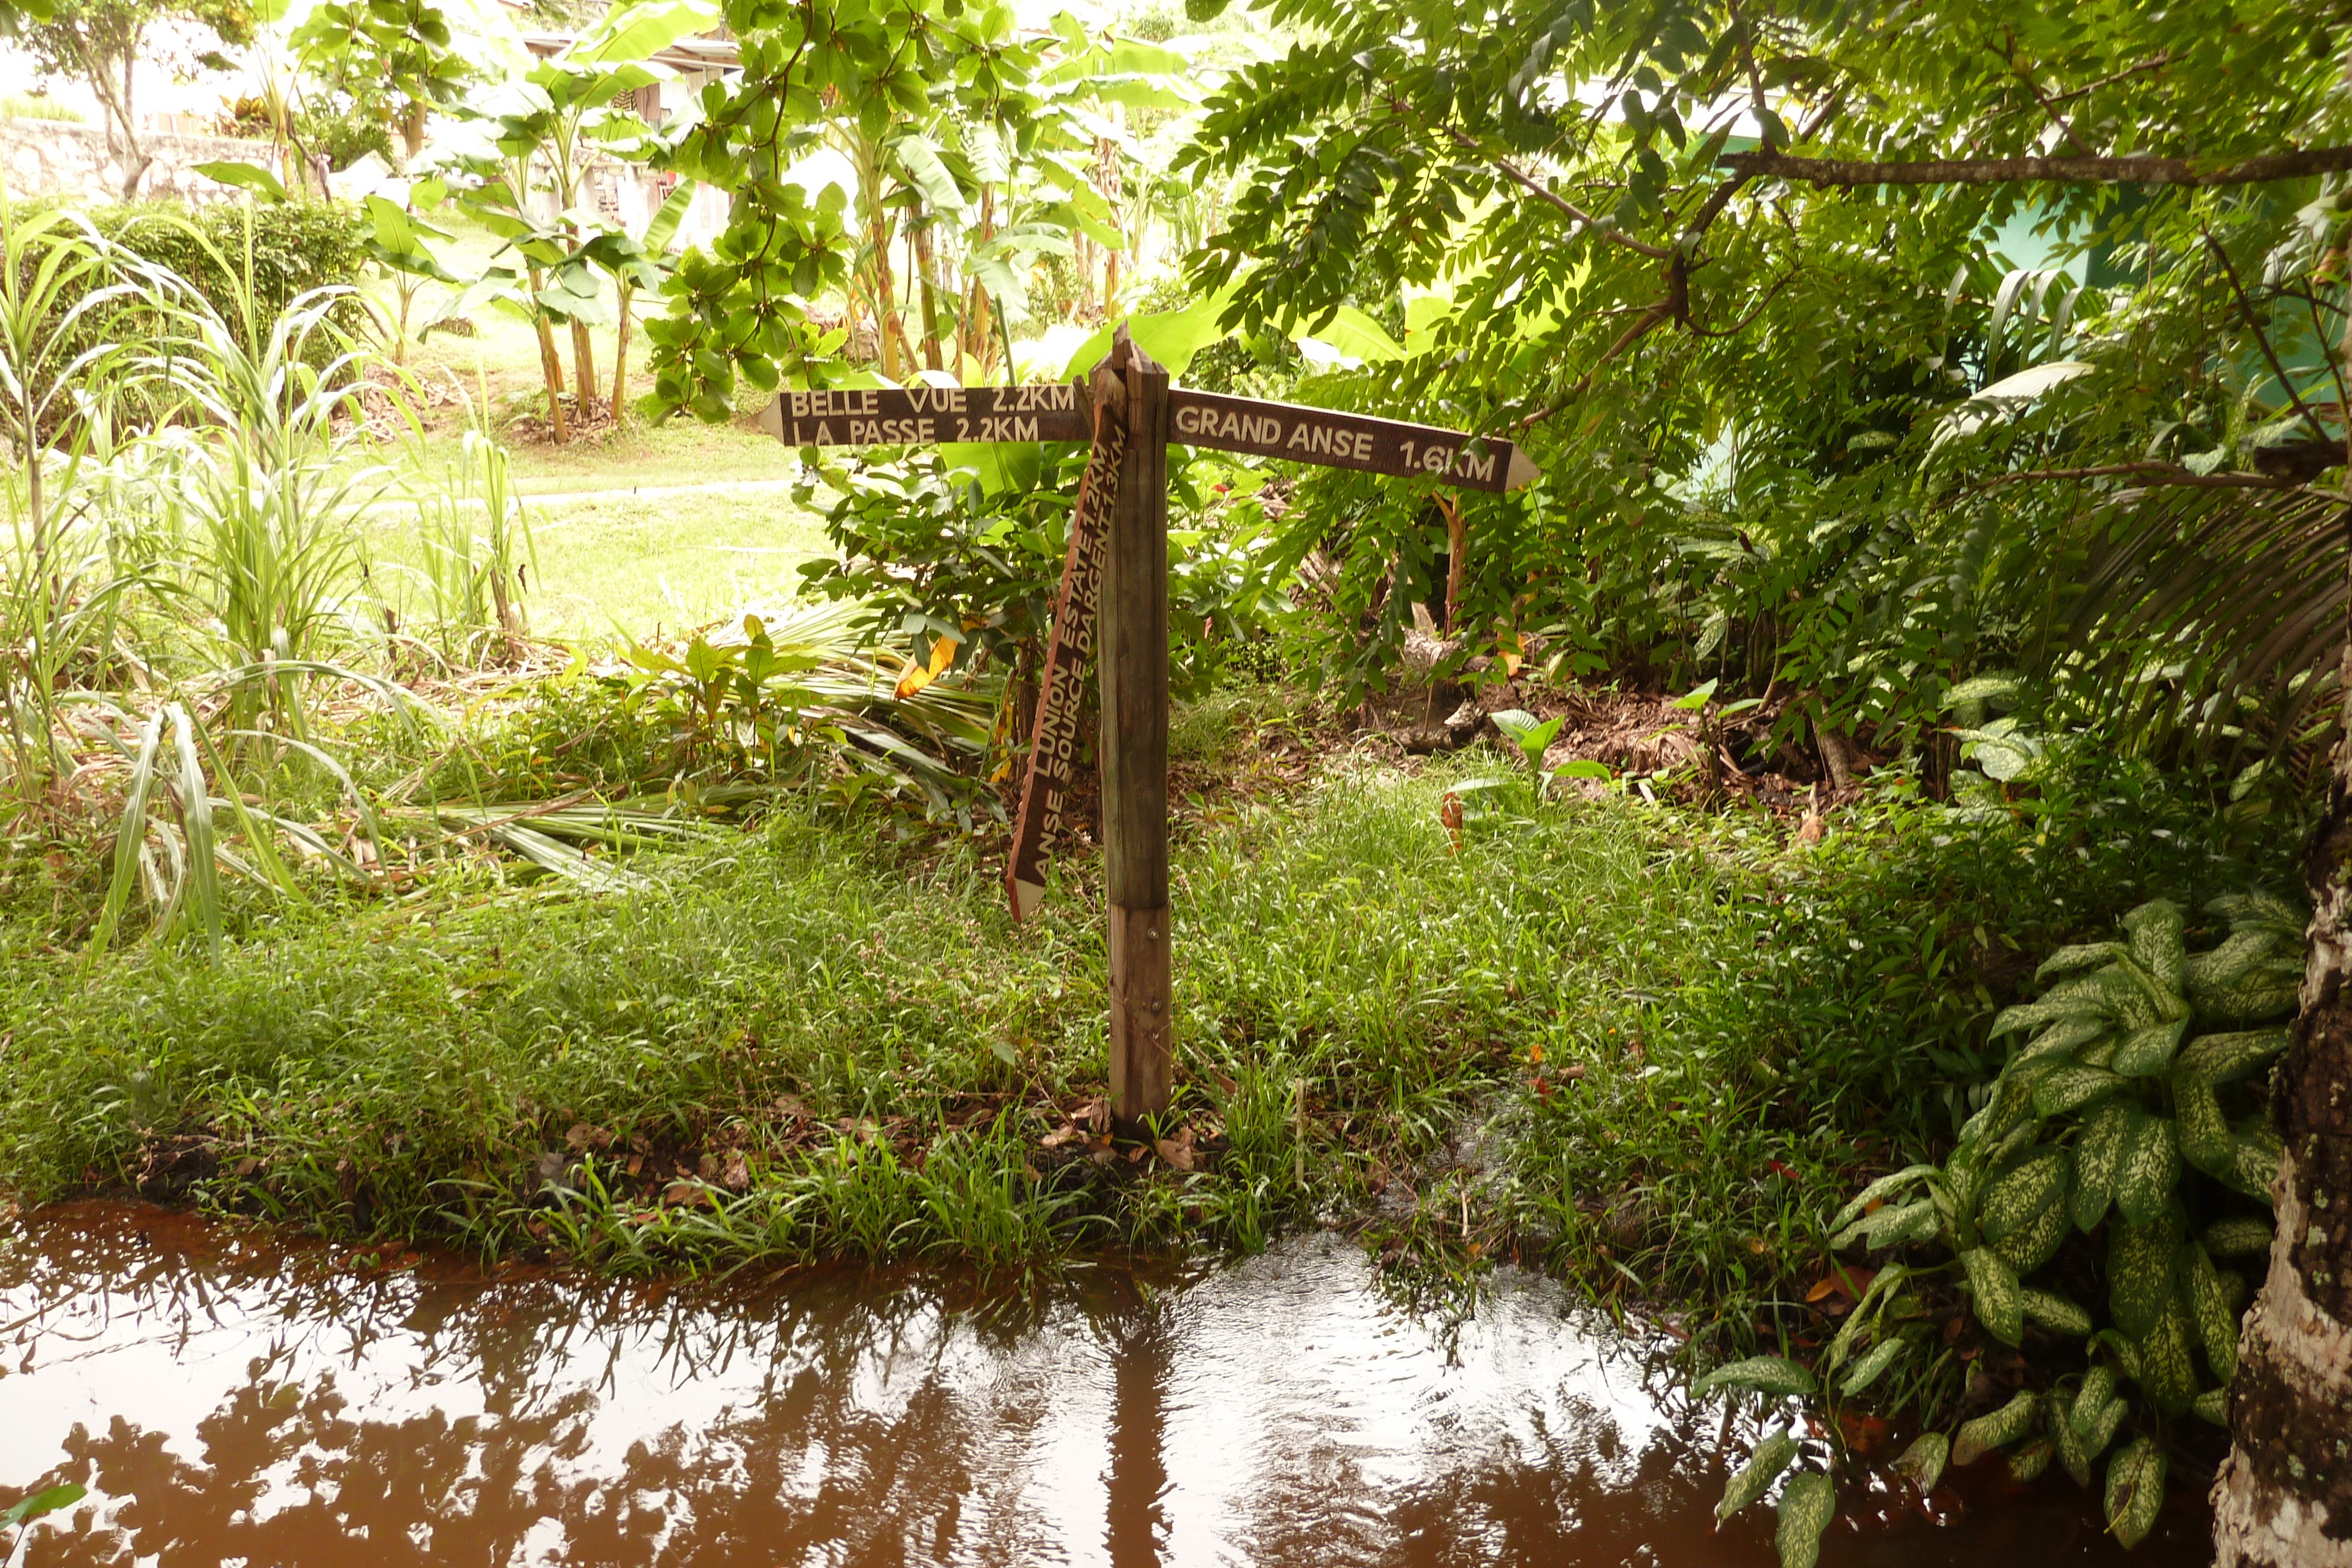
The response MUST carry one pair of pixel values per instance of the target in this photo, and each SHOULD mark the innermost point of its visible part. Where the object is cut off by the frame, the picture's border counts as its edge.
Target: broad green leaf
(629, 33)
(1697, 697)
(918, 158)
(1768, 1373)
(1883, 1188)
(243, 176)
(2001, 1428)
(25, 1509)
(2081, 956)
(1755, 1477)
(1993, 1288)
(1922, 1464)
(1172, 337)
(1807, 1505)
(2135, 1490)
(1866, 1371)
(1357, 336)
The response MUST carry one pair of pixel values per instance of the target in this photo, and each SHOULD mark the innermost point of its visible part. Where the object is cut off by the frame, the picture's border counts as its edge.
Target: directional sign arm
(908, 416)
(1335, 440)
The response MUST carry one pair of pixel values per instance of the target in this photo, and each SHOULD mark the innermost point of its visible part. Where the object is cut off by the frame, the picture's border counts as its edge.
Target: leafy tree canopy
(1733, 269)
(101, 42)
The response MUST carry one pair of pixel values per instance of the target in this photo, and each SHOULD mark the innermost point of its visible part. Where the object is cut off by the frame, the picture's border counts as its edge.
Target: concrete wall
(56, 158)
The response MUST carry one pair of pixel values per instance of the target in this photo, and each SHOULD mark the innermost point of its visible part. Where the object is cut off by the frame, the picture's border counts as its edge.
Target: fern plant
(2130, 1110)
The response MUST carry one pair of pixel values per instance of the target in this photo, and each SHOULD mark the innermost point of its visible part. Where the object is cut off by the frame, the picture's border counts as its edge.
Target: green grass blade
(129, 836)
(197, 821)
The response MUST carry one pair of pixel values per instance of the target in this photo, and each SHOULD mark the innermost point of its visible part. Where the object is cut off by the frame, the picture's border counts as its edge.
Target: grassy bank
(1649, 1047)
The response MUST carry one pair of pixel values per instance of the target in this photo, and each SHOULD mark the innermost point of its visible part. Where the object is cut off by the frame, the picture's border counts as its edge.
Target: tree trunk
(921, 232)
(1107, 181)
(584, 369)
(886, 299)
(621, 356)
(551, 371)
(121, 115)
(2285, 1499)
(977, 341)
(2285, 1496)
(1457, 557)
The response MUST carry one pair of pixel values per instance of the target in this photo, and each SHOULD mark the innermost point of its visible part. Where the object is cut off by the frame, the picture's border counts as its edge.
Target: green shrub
(966, 563)
(295, 248)
(2132, 1113)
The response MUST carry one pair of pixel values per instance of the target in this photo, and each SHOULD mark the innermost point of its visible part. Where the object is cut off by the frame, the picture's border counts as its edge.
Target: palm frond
(2215, 619)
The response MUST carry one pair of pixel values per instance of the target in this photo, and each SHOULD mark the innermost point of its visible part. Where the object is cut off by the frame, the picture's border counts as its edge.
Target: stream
(232, 1395)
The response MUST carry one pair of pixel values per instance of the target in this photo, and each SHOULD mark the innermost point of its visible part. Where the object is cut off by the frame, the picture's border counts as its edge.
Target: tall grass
(474, 532)
(38, 105)
(1652, 1048)
(58, 603)
(275, 494)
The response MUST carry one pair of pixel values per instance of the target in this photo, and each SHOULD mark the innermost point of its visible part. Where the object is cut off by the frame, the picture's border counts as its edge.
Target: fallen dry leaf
(1175, 1154)
(1842, 1281)
(1864, 1433)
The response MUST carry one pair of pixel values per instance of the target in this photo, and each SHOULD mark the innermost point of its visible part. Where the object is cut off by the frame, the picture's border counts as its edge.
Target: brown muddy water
(231, 1396)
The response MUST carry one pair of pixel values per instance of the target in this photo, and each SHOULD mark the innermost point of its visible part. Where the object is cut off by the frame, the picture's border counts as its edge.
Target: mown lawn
(618, 565)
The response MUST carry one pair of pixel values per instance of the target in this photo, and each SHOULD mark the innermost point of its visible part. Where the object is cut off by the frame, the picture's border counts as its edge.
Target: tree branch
(2131, 169)
(1544, 192)
(1607, 231)
(1753, 311)
(2154, 472)
(1662, 310)
(2154, 63)
(2246, 310)
(2064, 129)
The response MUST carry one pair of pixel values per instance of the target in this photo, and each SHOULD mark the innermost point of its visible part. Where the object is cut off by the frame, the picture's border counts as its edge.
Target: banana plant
(400, 240)
(2128, 1109)
(526, 185)
(635, 263)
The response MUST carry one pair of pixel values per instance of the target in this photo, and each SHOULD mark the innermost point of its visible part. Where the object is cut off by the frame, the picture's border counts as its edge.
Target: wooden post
(1129, 421)
(1134, 750)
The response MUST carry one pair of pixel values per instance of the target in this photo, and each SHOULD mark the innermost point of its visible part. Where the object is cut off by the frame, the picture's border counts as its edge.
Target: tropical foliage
(2134, 1112)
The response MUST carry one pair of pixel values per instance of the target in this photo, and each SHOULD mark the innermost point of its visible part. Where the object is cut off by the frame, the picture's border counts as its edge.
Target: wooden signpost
(1113, 600)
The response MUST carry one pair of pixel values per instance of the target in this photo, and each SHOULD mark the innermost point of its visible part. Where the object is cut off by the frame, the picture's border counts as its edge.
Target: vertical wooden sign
(1119, 555)
(1134, 749)
(1053, 740)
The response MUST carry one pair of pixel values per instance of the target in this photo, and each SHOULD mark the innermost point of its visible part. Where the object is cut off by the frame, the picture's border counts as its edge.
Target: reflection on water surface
(228, 1397)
